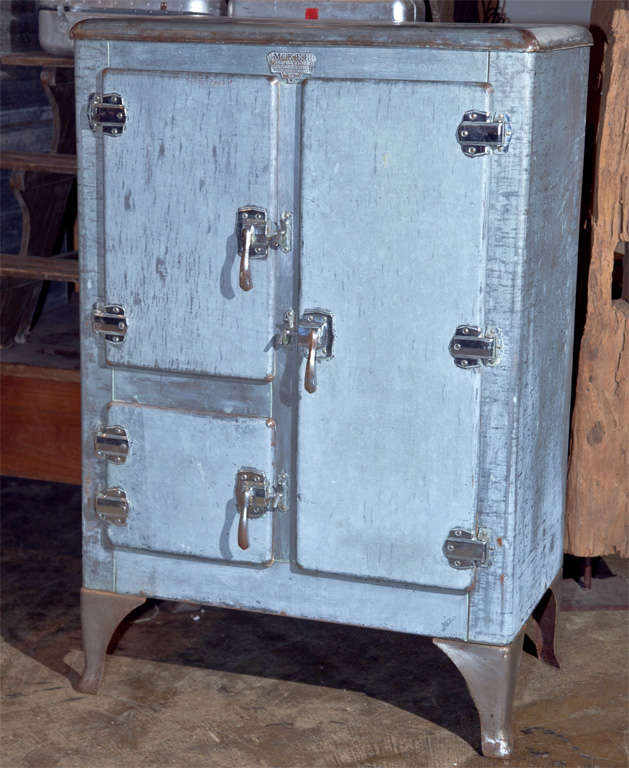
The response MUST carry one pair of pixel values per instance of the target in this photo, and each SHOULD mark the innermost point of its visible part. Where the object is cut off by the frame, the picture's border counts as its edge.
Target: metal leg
(542, 626)
(101, 612)
(490, 672)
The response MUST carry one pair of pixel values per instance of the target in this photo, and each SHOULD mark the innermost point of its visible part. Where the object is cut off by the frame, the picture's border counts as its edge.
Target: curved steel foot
(490, 672)
(101, 612)
(542, 626)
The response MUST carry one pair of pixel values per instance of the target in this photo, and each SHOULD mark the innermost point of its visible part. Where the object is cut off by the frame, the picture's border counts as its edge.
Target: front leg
(101, 612)
(490, 672)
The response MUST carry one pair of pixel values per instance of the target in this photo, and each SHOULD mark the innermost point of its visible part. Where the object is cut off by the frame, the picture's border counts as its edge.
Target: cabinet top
(472, 37)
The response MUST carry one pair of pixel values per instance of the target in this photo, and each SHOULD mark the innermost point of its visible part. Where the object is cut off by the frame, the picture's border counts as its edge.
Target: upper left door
(196, 147)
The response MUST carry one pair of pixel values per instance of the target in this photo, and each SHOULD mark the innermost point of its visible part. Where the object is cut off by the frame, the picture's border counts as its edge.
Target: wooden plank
(41, 428)
(18, 370)
(35, 59)
(38, 161)
(597, 517)
(64, 270)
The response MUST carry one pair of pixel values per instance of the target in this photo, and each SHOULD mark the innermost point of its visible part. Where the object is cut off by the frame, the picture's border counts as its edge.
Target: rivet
(465, 133)
(464, 363)
(114, 131)
(457, 562)
(258, 215)
(473, 115)
(450, 547)
(472, 150)
(466, 331)
(245, 215)
(457, 347)
(119, 115)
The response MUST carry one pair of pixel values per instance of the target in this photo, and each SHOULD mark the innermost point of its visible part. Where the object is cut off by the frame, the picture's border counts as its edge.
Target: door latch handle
(310, 379)
(255, 239)
(243, 522)
(245, 269)
(314, 333)
(252, 500)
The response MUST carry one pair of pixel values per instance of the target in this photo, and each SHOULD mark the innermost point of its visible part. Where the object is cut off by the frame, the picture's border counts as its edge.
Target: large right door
(392, 245)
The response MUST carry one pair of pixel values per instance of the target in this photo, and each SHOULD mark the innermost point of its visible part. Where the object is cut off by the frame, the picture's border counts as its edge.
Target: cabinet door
(195, 148)
(393, 243)
(180, 481)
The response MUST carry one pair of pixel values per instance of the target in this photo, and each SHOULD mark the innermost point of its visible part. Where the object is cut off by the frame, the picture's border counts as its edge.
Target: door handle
(255, 239)
(252, 500)
(310, 379)
(245, 269)
(314, 333)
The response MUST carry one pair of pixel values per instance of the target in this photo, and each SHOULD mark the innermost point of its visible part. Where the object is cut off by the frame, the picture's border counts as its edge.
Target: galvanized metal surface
(401, 246)
(191, 510)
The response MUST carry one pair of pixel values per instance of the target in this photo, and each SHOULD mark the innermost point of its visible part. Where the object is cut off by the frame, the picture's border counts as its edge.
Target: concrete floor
(228, 689)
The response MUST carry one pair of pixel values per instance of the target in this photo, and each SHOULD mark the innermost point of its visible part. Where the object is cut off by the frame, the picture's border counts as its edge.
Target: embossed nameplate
(291, 67)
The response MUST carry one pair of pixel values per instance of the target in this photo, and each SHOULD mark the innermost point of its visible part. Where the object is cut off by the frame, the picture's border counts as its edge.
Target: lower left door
(179, 478)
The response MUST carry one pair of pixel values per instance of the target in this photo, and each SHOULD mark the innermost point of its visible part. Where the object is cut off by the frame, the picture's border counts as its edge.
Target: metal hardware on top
(315, 334)
(254, 238)
(470, 347)
(464, 550)
(112, 506)
(478, 134)
(110, 320)
(107, 112)
(113, 444)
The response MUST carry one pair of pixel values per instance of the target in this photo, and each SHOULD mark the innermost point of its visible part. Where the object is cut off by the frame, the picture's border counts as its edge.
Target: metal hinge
(470, 347)
(112, 506)
(113, 444)
(107, 112)
(464, 550)
(478, 134)
(110, 320)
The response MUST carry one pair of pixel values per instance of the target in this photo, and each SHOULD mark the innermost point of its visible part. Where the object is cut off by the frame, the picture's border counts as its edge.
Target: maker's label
(291, 67)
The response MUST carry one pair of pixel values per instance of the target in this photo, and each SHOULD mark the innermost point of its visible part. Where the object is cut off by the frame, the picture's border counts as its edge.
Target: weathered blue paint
(402, 238)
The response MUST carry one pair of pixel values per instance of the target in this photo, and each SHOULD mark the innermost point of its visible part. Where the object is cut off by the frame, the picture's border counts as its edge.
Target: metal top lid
(472, 37)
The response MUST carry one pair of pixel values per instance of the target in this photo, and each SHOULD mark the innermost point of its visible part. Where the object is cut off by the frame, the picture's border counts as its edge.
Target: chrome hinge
(112, 506)
(113, 444)
(464, 550)
(107, 112)
(470, 348)
(478, 134)
(110, 320)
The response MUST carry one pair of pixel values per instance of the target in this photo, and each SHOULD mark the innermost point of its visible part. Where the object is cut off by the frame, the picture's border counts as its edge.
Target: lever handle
(245, 280)
(310, 381)
(243, 523)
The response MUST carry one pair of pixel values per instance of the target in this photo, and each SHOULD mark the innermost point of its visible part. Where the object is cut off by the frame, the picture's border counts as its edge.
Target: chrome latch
(314, 333)
(470, 348)
(112, 506)
(113, 444)
(478, 134)
(463, 550)
(107, 112)
(252, 499)
(255, 238)
(110, 320)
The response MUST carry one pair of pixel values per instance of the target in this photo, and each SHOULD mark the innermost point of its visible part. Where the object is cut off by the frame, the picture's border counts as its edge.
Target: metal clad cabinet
(327, 289)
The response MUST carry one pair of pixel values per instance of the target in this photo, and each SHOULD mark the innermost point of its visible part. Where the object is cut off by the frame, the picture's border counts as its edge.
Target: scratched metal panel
(532, 264)
(289, 591)
(196, 147)
(393, 245)
(180, 480)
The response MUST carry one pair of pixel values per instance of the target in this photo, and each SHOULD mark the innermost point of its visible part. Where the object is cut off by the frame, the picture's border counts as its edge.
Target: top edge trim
(200, 29)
